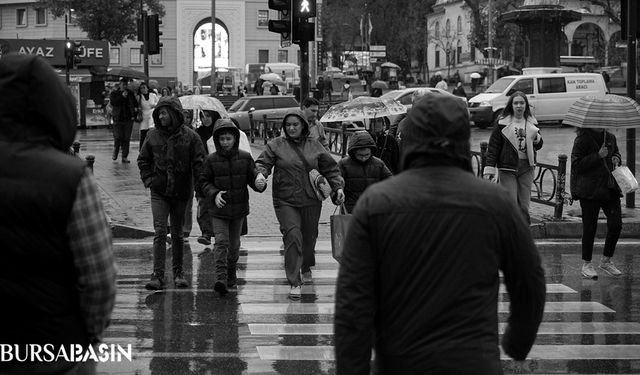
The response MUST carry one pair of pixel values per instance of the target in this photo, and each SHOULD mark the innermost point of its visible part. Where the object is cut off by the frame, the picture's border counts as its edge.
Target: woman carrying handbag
(593, 156)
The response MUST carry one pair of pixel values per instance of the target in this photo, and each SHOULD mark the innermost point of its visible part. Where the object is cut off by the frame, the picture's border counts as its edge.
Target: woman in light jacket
(147, 101)
(296, 205)
(512, 151)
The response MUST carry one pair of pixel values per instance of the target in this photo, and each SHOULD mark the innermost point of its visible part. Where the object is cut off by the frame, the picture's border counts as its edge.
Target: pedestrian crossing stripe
(328, 308)
(546, 328)
(538, 352)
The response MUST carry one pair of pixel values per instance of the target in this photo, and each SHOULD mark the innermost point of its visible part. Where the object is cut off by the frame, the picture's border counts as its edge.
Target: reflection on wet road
(589, 326)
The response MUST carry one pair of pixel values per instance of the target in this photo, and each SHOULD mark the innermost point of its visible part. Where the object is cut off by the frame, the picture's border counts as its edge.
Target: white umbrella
(475, 75)
(273, 77)
(390, 65)
(363, 107)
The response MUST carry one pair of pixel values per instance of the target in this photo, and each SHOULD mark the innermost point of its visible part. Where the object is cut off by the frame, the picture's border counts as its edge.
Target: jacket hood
(36, 107)
(361, 139)
(228, 125)
(175, 109)
(437, 127)
(305, 124)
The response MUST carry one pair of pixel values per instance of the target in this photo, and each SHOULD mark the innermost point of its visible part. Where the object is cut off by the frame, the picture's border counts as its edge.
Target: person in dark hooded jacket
(58, 282)
(360, 168)
(295, 202)
(418, 280)
(224, 180)
(170, 158)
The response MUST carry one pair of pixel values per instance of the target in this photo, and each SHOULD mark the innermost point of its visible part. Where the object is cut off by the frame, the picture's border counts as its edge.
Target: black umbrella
(125, 72)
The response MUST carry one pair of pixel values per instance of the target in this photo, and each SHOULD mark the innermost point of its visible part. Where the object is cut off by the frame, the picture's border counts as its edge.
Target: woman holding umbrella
(512, 150)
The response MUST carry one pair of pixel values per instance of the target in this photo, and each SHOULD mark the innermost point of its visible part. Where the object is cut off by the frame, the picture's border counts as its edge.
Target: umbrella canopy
(203, 102)
(608, 111)
(125, 72)
(273, 77)
(390, 65)
(363, 107)
(379, 85)
(332, 69)
(475, 75)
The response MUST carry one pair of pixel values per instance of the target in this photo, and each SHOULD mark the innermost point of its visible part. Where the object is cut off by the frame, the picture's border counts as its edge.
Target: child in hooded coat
(225, 176)
(360, 168)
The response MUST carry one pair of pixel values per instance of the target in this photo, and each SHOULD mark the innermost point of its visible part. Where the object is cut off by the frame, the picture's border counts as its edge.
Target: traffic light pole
(145, 45)
(66, 38)
(304, 70)
(632, 29)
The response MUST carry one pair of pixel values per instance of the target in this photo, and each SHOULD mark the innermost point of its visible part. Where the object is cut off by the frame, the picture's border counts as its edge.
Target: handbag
(138, 117)
(339, 227)
(625, 179)
(318, 182)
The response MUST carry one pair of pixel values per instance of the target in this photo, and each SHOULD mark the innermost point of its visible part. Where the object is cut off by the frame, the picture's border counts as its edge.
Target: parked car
(274, 106)
(405, 96)
(549, 95)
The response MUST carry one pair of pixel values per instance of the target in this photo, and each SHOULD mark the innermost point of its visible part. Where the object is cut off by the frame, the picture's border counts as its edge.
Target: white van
(549, 95)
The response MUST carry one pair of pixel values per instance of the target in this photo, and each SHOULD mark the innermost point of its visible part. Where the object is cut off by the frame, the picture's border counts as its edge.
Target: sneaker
(295, 292)
(156, 282)
(125, 161)
(588, 271)
(179, 280)
(610, 268)
(306, 277)
(221, 288)
(204, 240)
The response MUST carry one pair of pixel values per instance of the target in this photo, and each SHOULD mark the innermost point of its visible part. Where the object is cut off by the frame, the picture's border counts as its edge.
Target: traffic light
(72, 53)
(281, 26)
(301, 29)
(153, 28)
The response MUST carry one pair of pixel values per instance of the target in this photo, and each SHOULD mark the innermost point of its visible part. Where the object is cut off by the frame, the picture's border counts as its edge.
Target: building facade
(242, 37)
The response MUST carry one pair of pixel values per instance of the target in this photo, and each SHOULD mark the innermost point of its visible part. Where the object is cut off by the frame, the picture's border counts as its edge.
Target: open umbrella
(475, 75)
(390, 65)
(363, 107)
(203, 102)
(608, 111)
(273, 77)
(379, 85)
(125, 72)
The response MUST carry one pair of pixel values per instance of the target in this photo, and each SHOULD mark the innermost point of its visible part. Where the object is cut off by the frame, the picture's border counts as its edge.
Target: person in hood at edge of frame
(294, 200)
(360, 168)
(169, 161)
(58, 283)
(225, 176)
(418, 281)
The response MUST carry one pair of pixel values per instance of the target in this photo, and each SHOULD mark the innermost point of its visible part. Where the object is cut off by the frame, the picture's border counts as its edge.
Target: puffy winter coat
(172, 156)
(291, 185)
(358, 175)
(590, 176)
(231, 171)
(418, 280)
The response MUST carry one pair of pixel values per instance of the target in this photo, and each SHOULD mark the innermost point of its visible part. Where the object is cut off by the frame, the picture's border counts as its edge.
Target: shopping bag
(339, 226)
(625, 179)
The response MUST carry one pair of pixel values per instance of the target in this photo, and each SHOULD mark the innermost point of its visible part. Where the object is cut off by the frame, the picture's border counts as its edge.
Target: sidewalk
(128, 207)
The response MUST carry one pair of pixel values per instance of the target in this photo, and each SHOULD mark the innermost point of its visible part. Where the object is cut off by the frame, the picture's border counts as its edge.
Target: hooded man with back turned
(419, 280)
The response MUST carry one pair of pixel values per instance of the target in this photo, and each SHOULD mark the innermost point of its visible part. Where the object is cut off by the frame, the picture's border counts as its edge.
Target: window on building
(283, 55)
(437, 30)
(263, 56)
(437, 58)
(472, 53)
(458, 53)
(135, 56)
(41, 16)
(459, 25)
(21, 17)
(156, 59)
(447, 29)
(263, 18)
(114, 56)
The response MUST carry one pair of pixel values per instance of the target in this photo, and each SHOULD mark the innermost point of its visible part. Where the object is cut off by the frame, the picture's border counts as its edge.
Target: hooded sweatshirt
(38, 185)
(418, 280)
(291, 185)
(360, 175)
(172, 155)
(231, 171)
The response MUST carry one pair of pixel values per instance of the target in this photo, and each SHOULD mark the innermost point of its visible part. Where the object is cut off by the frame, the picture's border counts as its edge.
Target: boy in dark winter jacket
(224, 179)
(361, 169)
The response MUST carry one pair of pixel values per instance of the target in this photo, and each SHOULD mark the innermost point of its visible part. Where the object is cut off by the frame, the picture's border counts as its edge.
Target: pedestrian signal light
(304, 8)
